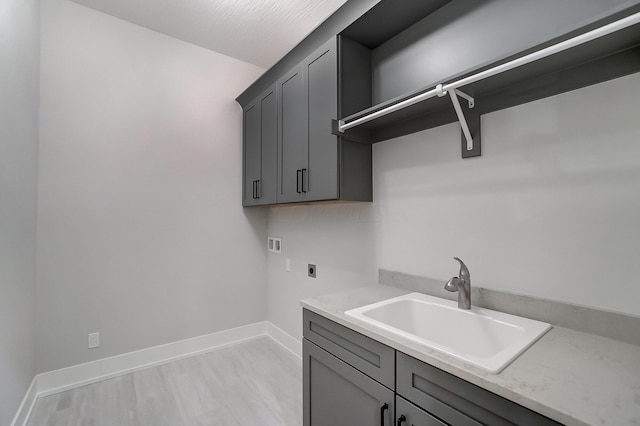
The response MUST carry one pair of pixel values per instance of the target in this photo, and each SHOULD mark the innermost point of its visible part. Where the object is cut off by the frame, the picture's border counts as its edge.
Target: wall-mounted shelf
(405, 57)
(604, 49)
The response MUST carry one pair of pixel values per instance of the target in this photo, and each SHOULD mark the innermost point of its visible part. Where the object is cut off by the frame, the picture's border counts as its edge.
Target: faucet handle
(464, 271)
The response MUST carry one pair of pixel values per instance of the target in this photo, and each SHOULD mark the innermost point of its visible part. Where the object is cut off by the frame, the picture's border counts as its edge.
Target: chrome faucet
(462, 285)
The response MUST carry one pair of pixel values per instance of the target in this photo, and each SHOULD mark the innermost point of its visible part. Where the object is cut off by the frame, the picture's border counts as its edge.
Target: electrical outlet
(311, 270)
(274, 244)
(94, 340)
(287, 264)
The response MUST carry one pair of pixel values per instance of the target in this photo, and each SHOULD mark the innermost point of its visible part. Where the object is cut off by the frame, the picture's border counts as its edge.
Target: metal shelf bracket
(469, 99)
(468, 148)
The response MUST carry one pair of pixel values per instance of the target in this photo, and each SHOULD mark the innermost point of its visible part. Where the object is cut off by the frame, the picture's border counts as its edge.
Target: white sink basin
(485, 338)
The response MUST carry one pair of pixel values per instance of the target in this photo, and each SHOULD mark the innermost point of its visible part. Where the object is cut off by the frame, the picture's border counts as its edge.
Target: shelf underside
(390, 18)
(606, 58)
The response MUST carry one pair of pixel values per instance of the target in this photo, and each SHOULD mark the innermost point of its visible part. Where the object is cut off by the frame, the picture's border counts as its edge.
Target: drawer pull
(384, 408)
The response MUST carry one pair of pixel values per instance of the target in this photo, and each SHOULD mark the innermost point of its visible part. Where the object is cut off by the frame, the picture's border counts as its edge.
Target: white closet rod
(548, 51)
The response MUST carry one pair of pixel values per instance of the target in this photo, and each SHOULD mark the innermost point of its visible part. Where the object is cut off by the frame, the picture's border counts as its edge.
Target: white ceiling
(256, 31)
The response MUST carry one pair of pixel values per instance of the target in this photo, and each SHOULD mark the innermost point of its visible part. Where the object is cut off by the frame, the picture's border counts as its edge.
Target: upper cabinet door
(252, 153)
(267, 188)
(260, 150)
(293, 141)
(321, 75)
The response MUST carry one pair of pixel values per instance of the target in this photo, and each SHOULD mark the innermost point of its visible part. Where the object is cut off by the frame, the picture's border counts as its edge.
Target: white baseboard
(52, 382)
(286, 340)
(27, 404)
(106, 368)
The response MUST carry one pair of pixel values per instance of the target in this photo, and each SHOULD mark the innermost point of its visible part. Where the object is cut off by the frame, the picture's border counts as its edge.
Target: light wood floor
(253, 383)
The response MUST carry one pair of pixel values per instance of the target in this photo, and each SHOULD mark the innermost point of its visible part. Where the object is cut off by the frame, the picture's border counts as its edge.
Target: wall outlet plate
(311, 269)
(94, 340)
(274, 244)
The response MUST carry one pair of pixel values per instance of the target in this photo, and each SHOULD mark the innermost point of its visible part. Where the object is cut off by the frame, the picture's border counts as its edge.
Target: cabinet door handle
(401, 420)
(298, 174)
(304, 171)
(384, 408)
(254, 190)
(258, 189)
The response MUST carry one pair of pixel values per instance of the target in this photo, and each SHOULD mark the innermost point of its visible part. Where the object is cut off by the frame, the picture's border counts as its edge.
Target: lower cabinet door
(336, 394)
(408, 414)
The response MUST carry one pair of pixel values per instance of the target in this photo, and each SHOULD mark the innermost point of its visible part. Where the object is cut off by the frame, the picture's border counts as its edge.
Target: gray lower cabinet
(456, 401)
(336, 394)
(351, 379)
(411, 415)
(366, 355)
(260, 149)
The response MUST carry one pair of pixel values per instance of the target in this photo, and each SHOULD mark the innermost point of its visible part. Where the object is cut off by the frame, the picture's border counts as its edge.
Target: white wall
(551, 209)
(19, 51)
(142, 236)
(338, 238)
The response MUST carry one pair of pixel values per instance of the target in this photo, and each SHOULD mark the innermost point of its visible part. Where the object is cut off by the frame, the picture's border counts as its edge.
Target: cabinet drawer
(367, 355)
(456, 401)
(413, 416)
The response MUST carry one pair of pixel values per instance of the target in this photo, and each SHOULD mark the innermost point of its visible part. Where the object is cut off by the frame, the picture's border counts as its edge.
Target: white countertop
(572, 377)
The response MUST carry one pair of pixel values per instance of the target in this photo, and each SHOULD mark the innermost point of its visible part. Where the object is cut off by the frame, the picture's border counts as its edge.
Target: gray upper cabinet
(308, 150)
(314, 164)
(321, 72)
(292, 136)
(260, 135)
